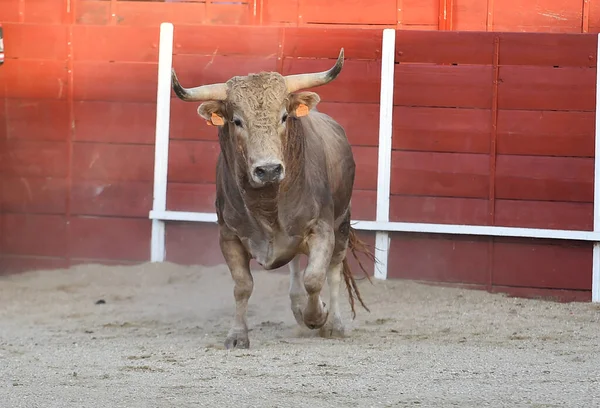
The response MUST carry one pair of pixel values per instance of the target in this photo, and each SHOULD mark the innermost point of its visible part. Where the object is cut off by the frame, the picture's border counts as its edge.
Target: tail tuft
(355, 245)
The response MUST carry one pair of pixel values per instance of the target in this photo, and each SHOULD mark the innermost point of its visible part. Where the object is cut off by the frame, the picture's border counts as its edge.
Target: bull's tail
(355, 245)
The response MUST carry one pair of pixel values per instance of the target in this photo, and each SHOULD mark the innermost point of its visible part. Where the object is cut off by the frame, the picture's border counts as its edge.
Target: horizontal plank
(566, 266)
(439, 210)
(209, 40)
(469, 15)
(544, 214)
(359, 120)
(50, 79)
(359, 81)
(594, 17)
(460, 86)
(43, 195)
(544, 178)
(419, 12)
(319, 42)
(2, 127)
(115, 198)
(363, 204)
(193, 162)
(274, 12)
(35, 41)
(35, 158)
(186, 124)
(348, 11)
(92, 12)
(438, 258)
(442, 129)
(104, 43)
(547, 88)
(152, 14)
(547, 133)
(37, 119)
(199, 197)
(548, 49)
(365, 159)
(193, 243)
(113, 162)
(119, 81)
(34, 234)
(46, 11)
(440, 174)
(560, 16)
(115, 122)
(110, 238)
(444, 47)
(20, 264)
(9, 12)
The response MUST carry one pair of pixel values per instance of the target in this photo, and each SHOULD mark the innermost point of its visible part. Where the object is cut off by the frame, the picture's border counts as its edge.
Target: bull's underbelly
(272, 253)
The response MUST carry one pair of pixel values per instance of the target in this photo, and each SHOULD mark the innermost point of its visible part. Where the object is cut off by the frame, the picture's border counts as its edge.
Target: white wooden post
(596, 251)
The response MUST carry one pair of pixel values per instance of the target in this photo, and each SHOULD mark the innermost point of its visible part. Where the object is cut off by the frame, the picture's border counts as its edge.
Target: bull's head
(253, 112)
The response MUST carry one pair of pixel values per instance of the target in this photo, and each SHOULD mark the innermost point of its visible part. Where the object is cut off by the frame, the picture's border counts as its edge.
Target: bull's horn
(213, 92)
(303, 81)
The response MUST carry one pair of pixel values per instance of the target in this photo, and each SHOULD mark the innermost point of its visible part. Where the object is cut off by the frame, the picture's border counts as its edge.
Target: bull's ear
(302, 102)
(212, 112)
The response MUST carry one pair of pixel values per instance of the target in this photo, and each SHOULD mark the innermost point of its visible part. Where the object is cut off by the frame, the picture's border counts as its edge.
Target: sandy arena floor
(157, 342)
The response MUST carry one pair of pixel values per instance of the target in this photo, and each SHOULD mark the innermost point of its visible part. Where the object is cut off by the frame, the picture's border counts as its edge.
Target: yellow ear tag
(215, 120)
(301, 110)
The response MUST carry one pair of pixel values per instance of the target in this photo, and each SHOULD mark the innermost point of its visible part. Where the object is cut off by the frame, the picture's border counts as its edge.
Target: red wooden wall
(489, 128)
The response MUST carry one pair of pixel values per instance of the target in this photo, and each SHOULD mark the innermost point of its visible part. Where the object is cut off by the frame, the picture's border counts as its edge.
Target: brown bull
(285, 175)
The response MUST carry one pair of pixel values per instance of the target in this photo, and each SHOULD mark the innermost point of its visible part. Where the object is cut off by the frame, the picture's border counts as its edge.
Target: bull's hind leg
(238, 262)
(298, 295)
(334, 326)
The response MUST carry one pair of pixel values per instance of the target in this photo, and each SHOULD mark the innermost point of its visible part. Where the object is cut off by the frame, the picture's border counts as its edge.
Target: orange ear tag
(301, 110)
(215, 120)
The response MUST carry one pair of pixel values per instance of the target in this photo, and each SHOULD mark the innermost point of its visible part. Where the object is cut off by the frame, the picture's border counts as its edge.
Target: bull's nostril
(268, 173)
(277, 170)
(259, 172)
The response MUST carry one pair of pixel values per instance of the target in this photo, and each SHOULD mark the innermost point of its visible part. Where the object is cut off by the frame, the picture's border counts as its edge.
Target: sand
(157, 341)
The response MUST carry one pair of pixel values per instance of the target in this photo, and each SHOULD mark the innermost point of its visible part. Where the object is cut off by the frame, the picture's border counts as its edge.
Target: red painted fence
(489, 129)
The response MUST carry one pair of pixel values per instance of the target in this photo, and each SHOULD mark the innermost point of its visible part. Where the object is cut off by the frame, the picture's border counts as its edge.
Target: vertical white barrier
(596, 253)
(161, 148)
(384, 165)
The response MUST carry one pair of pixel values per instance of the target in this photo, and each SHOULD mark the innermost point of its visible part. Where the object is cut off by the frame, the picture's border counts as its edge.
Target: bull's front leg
(238, 261)
(320, 248)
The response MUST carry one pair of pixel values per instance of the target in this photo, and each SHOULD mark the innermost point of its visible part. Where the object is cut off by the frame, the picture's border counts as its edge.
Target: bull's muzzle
(268, 173)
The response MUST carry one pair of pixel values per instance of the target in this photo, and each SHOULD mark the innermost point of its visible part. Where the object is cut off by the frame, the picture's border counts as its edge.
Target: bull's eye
(284, 118)
(237, 122)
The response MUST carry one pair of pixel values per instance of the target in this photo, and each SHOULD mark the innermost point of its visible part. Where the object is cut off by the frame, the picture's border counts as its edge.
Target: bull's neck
(262, 203)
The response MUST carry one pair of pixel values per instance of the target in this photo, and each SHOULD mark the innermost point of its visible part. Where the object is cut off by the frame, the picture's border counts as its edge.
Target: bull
(284, 179)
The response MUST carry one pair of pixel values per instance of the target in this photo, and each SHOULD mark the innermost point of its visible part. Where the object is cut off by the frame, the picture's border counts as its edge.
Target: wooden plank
(114, 122)
(547, 88)
(37, 119)
(364, 204)
(9, 12)
(366, 167)
(441, 129)
(115, 43)
(359, 120)
(275, 11)
(34, 79)
(35, 41)
(326, 42)
(438, 210)
(45, 11)
(112, 162)
(186, 124)
(20, 264)
(420, 13)
(541, 265)
(545, 178)
(359, 81)
(562, 16)
(194, 70)
(115, 198)
(92, 12)
(438, 258)
(212, 40)
(545, 214)
(42, 195)
(462, 86)
(349, 11)
(594, 17)
(470, 15)
(547, 133)
(546, 49)
(440, 174)
(191, 197)
(50, 232)
(444, 47)
(109, 238)
(29, 158)
(118, 82)
(230, 13)
(192, 161)
(139, 14)
(193, 244)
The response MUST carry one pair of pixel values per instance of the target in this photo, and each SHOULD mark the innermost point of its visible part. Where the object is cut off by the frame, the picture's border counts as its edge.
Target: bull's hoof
(317, 318)
(334, 328)
(237, 340)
